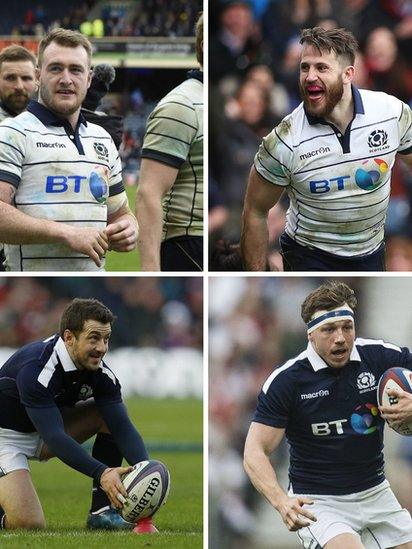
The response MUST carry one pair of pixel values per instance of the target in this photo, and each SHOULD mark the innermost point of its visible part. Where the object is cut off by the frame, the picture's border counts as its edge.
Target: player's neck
(342, 114)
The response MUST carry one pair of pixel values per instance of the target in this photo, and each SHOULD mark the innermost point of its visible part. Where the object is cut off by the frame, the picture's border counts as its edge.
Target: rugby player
(54, 395)
(17, 85)
(169, 202)
(325, 401)
(17, 80)
(333, 155)
(62, 200)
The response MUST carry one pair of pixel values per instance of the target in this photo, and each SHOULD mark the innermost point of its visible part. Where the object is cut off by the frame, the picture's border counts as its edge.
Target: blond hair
(67, 38)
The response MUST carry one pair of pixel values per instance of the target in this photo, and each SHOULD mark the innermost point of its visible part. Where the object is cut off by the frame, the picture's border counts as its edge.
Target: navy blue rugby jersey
(42, 375)
(330, 417)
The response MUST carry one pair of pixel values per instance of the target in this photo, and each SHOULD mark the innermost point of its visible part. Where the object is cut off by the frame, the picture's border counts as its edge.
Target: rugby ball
(395, 378)
(147, 487)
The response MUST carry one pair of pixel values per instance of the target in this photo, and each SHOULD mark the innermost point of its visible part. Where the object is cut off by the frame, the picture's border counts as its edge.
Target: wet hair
(81, 310)
(199, 39)
(17, 53)
(67, 38)
(328, 296)
(341, 41)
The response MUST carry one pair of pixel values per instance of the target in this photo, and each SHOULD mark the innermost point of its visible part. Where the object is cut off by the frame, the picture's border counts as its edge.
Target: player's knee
(25, 522)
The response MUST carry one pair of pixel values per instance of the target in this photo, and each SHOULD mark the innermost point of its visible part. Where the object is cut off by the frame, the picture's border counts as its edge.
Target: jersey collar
(64, 357)
(49, 118)
(195, 73)
(318, 363)
(358, 108)
(3, 108)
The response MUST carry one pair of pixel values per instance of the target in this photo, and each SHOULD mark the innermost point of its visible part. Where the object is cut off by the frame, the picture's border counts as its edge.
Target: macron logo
(41, 145)
(321, 393)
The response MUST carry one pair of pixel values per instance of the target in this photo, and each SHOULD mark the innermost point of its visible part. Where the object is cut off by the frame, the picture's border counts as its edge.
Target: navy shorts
(301, 258)
(183, 253)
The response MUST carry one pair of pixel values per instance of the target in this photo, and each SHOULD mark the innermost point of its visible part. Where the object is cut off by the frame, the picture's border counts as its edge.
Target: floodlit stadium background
(151, 45)
(254, 57)
(255, 326)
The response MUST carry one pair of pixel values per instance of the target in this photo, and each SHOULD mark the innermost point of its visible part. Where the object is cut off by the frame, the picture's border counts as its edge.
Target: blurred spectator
(150, 311)
(387, 70)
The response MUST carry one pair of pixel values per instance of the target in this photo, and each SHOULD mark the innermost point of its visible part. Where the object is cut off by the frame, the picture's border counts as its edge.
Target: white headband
(344, 312)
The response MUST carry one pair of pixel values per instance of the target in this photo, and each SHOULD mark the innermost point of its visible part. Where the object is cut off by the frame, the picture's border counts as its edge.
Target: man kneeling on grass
(54, 395)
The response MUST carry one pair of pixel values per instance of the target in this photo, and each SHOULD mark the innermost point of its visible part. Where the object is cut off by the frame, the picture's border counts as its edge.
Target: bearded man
(333, 155)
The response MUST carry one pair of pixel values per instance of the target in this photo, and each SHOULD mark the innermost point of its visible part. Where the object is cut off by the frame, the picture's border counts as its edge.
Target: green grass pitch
(129, 261)
(172, 430)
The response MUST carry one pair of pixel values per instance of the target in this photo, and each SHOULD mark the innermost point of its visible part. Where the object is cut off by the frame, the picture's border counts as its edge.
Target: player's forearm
(17, 227)
(254, 240)
(263, 476)
(149, 215)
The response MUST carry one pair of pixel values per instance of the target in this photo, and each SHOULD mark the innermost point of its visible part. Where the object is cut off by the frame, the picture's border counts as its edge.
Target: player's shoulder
(380, 103)
(286, 373)
(19, 123)
(188, 95)
(375, 346)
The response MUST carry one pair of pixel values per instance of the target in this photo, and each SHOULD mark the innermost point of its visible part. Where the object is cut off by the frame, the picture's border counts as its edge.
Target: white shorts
(374, 515)
(16, 448)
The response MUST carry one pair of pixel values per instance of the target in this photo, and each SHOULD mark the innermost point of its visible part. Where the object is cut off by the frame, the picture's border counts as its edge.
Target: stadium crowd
(254, 56)
(255, 326)
(143, 18)
(158, 312)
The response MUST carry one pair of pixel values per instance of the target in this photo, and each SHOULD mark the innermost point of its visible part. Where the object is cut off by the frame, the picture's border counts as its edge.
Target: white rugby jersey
(4, 113)
(338, 185)
(69, 176)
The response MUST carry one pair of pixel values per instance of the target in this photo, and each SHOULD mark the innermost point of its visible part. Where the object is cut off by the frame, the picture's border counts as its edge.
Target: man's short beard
(48, 102)
(11, 106)
(333, 95)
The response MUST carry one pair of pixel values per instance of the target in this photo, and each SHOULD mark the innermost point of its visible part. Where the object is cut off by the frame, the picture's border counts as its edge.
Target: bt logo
(62, 183)
(367, 179)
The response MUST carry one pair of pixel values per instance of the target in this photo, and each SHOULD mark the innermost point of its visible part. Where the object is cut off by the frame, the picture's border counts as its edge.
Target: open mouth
(315, 93)
(339, 353)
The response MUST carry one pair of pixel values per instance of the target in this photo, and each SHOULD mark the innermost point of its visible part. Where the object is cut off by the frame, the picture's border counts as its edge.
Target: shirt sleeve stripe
(11, 178)
(169, 137)
(280, 139)
(174, 120)
(12, 146)
(164, 158)
(117, 188)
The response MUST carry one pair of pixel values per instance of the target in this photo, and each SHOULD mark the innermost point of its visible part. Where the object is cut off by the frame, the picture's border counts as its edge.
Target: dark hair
(341, 41)
(81, 310)
(328, 296)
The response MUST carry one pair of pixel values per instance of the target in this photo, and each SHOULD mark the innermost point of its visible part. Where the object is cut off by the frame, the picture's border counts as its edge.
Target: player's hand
(122, 234)
(111, 483)
(293, 514)
(89, 241)
(399, 412)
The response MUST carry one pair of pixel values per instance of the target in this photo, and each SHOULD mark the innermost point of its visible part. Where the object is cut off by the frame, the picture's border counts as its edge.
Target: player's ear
(89, 78)
(68, 337)
(348, 74)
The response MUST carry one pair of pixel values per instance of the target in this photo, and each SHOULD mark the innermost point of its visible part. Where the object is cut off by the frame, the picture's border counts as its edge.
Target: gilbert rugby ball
(395, 378)
(147, 488)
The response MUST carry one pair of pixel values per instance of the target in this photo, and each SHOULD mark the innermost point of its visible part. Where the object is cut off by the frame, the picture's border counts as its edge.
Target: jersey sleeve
(32, 393)
(12, 152)
(49, 424)
(171, 129)
(274, 403)
(405, 129)
(274, 158)
(396, 357)
(106, 387)
(127, 438)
